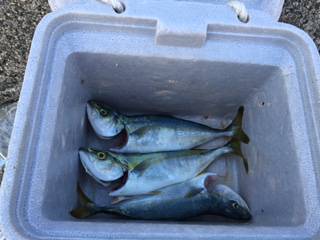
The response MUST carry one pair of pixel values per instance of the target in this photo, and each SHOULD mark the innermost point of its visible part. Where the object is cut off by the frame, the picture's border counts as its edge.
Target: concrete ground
(18, 19)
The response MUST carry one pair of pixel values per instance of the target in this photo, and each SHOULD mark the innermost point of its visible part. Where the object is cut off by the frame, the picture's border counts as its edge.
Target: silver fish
(159, 169)
(145, 134)
(200, 195)
(162, 169)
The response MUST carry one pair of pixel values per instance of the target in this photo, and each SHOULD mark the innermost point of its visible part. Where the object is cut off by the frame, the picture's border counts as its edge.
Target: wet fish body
(162, 169)
(200, 195)
(157, 134)
(149, 208)
(148, 172)
(145, 134)
(177, 197)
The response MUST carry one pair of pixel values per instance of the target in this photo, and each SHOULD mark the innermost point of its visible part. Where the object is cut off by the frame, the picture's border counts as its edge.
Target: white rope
(2, 161)
(240, 10)
(117, 5)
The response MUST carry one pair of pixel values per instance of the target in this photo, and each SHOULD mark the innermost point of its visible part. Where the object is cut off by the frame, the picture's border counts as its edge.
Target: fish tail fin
(236, 127)
(82, 212)
(87, 207)
(236, 147)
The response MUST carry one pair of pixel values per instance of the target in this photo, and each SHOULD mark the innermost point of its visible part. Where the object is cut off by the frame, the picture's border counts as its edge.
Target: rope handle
(238, 6)
(117, 5)
(240, 9)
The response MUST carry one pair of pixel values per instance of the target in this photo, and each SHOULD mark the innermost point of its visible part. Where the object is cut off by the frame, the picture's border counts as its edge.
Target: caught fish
(166, 168)
(148, 172)
(145, 134)
(200, 195)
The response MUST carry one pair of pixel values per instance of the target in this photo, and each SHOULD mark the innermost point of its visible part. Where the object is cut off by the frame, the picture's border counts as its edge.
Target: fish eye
(103, 112)
(235, 205)
(101, 155)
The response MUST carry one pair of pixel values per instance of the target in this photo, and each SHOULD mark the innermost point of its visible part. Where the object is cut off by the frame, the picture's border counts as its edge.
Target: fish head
(229, 203)
(105, 121)
(101, 165)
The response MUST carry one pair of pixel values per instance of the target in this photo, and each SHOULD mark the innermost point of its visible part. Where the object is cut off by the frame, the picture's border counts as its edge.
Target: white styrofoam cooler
(191, 59)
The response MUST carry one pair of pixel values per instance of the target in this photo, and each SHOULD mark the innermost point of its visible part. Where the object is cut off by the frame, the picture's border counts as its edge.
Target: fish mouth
(91, 106)
(93, 103)
(245, 216)
(83, 155)
(84, 158)
(93, 117)
(248, 216)
(83, 149)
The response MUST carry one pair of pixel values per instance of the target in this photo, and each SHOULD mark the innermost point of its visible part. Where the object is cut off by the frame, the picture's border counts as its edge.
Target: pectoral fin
(141, 131)
(117, 200)
(193, 192)
(143, 166)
